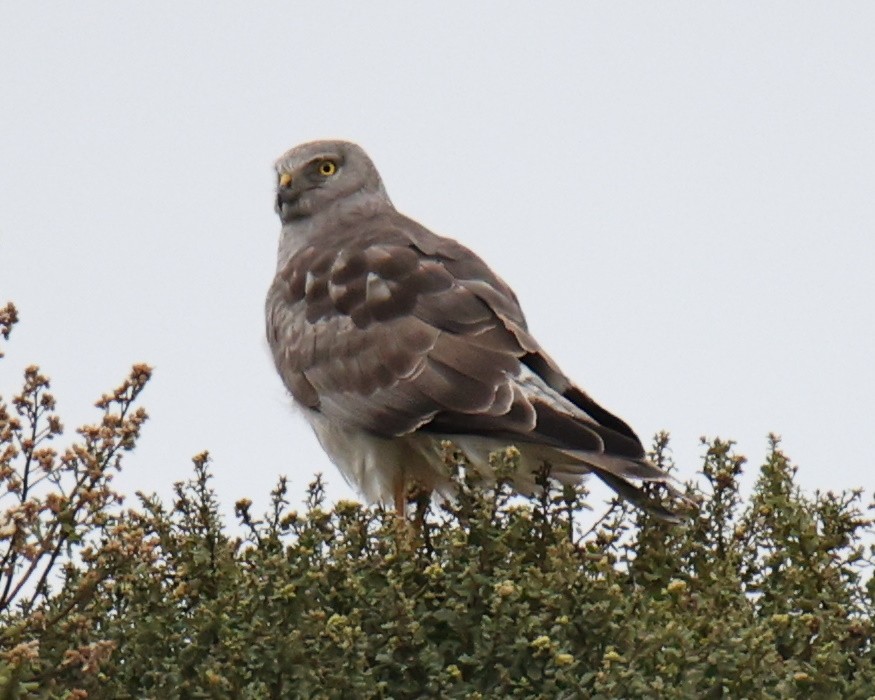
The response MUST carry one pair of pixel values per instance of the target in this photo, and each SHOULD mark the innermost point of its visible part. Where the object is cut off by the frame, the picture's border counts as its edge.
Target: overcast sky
(680, 193)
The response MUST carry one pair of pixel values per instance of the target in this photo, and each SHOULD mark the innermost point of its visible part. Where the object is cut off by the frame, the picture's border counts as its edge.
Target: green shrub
(493, 596)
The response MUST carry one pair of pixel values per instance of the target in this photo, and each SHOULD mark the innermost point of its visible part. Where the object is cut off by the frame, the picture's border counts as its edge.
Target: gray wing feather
(390, 328)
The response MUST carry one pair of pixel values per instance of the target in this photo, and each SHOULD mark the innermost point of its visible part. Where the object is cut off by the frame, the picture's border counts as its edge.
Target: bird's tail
(628, 478)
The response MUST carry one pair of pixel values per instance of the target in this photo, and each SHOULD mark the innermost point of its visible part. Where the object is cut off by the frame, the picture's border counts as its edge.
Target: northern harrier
(392, 339)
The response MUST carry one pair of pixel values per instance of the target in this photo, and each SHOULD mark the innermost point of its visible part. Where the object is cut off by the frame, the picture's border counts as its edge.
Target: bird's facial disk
(305, 189)
(314, 176)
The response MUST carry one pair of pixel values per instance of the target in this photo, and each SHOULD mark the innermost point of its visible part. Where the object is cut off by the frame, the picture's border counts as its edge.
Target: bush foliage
(492, 596)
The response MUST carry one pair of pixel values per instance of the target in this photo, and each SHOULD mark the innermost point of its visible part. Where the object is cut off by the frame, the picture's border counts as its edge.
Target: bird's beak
(289, 187)
(288, 190)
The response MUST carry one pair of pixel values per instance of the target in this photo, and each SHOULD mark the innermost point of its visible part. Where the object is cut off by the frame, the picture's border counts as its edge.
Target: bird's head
(315, 176)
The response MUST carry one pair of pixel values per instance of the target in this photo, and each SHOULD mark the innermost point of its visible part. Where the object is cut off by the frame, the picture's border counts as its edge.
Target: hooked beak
(288, 192)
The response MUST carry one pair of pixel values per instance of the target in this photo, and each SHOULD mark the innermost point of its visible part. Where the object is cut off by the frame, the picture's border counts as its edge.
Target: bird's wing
(388, 327)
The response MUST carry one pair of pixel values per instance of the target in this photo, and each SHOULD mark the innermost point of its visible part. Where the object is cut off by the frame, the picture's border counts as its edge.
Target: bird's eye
(327, 168)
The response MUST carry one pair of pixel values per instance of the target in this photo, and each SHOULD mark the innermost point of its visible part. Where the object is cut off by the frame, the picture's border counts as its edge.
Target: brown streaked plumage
(391, 339)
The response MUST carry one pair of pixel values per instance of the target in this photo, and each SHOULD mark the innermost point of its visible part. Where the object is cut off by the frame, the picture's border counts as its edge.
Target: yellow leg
(401, 497)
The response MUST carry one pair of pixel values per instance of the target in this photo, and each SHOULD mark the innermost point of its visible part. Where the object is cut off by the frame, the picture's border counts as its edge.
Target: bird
(392, 340)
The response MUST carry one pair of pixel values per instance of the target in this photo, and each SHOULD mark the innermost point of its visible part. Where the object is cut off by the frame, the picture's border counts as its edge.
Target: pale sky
(680, 193)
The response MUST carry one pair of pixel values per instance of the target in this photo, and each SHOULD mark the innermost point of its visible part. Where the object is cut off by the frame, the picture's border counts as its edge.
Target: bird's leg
(422, 498)
(404, 528)
(400, 490)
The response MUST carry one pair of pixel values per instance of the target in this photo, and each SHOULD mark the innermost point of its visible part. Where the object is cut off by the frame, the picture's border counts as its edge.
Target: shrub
(492, 596)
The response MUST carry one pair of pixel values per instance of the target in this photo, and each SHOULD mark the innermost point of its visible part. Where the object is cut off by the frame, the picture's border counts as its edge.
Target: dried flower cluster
(62, 533)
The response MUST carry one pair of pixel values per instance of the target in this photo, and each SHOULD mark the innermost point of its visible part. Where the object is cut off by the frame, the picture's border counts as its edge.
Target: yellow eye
(327, 168)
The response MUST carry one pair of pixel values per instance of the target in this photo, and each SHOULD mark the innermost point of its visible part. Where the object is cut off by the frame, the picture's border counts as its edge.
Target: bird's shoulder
(385, 312)
(380, 267)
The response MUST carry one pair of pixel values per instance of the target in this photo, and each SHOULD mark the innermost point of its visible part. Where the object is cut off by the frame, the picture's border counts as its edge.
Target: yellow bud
(505, 589)
(676, 585)
(542, 642)
(564, 659)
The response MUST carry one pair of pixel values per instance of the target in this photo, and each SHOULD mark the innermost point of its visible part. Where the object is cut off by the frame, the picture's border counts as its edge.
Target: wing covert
(391, 328)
